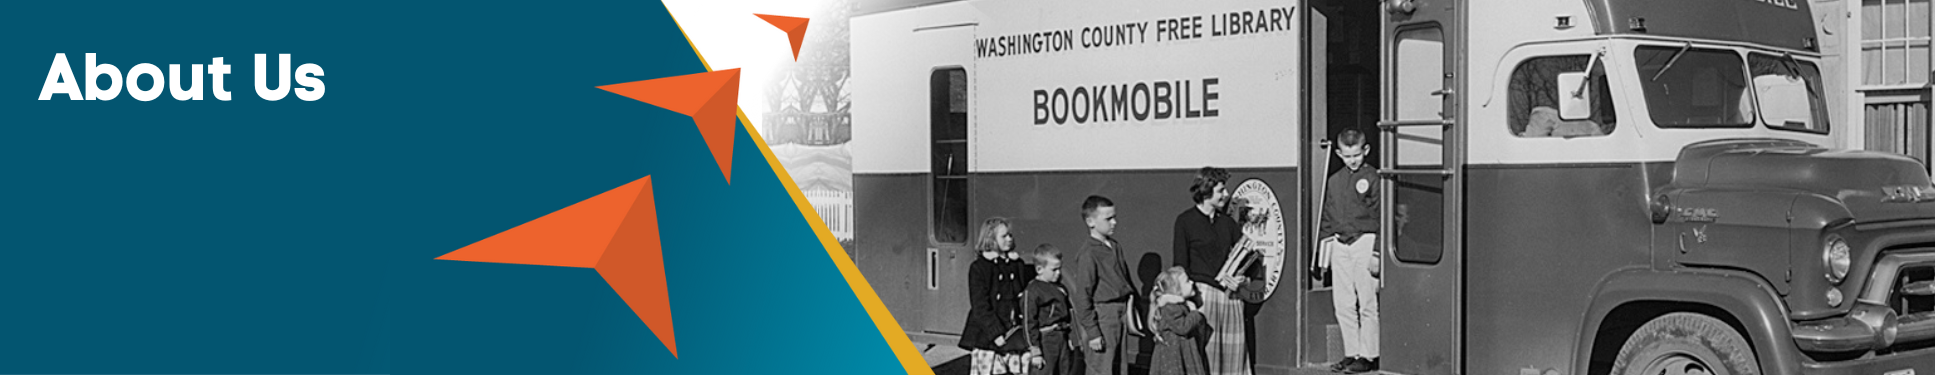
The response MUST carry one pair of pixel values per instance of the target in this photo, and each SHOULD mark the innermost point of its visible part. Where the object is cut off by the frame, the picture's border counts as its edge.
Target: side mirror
(1575, 101)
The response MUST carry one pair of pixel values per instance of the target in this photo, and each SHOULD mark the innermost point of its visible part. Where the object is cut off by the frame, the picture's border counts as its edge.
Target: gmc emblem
(1698, 214)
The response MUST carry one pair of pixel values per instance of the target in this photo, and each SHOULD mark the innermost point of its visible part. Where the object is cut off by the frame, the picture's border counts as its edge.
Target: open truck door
(1420, 145)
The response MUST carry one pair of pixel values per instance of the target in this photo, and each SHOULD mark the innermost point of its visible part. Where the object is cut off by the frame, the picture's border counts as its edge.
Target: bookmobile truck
(1572, 187)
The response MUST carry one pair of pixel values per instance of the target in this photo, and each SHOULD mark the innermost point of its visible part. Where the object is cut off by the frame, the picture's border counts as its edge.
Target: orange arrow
(712, 99)
(795, 28)
(615, 233)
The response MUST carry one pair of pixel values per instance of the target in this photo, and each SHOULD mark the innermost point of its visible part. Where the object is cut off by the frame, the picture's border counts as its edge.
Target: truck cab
(1639, 187)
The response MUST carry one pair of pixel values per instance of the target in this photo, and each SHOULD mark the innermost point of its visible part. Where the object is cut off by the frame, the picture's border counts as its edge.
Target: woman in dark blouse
(1204, 237)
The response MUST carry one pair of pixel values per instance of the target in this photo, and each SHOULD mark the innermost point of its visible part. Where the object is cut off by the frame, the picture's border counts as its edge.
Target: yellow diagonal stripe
(910, 357)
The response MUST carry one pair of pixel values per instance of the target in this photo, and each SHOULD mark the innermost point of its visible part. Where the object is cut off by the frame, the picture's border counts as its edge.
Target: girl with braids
(1177, 325)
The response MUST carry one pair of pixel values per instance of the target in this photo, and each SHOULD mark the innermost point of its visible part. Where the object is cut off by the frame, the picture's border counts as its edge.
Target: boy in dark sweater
(1100, 290)
(1349, 231)
(1045, 317)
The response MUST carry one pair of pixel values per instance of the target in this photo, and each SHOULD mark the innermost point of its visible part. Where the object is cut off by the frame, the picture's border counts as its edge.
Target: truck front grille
(1907, 303)
(1911, 294)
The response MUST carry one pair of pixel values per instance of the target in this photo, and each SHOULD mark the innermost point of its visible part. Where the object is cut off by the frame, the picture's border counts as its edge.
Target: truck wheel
(1685, 344)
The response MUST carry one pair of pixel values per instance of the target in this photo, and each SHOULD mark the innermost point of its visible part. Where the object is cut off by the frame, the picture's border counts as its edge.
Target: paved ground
(952, 360)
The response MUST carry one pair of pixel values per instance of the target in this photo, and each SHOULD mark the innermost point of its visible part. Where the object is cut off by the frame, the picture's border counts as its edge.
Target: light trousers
(1353, 293)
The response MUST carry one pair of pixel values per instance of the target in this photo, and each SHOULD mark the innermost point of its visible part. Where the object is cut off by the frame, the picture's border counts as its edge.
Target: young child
(1177, 325)
(984, 324)
(1045, 317)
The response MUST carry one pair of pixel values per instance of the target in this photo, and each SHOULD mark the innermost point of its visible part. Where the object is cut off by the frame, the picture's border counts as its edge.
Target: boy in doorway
(1099, 290)
(1349, 232)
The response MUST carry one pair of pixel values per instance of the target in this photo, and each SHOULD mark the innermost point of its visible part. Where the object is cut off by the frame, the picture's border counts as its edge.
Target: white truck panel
(1252, 68)
(893, 54)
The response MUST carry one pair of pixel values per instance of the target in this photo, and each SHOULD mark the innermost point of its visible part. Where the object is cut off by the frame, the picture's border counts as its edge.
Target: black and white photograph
(1502, 187)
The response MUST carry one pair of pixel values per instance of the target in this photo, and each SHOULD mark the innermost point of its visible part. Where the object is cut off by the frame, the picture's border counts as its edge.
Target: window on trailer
(1418, 74)
(948, 128)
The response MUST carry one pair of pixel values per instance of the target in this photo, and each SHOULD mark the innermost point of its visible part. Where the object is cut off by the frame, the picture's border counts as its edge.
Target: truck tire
(1685, 344)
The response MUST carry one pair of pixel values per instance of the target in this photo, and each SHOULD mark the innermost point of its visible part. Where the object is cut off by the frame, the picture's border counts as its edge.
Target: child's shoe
(1341, 365)
(1362, 366)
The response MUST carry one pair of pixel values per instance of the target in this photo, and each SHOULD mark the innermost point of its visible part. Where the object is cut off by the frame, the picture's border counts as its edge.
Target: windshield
(1694, 87)
(1789, 91)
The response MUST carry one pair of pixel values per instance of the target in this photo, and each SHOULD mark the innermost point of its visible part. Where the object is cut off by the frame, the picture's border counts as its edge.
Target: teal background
(251, 236)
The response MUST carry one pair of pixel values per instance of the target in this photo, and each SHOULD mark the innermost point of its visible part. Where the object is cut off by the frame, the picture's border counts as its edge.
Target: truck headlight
(1835, 256)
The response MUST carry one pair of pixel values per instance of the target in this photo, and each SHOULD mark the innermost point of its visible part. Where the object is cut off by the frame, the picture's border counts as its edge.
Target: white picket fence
(836, 208)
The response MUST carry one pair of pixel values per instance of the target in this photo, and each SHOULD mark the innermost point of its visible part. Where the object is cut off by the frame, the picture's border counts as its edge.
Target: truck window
(1534, 96)
(1417, 201)
(947, 104)
(1689, 87)
(1789, 91)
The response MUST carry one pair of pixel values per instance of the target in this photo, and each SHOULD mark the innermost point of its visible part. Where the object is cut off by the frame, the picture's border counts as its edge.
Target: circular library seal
(1263, 233)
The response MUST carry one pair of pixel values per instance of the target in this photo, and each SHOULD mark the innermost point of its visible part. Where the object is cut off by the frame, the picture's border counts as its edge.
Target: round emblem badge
(1363, 186)
(1263, 232)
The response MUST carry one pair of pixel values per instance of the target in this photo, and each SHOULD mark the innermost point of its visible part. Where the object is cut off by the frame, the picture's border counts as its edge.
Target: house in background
(807, 123)
(1882, 48)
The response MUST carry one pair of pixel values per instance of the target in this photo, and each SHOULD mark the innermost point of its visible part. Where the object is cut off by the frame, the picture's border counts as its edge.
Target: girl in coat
(985, 323)
(1177, 326)
(1011, 278)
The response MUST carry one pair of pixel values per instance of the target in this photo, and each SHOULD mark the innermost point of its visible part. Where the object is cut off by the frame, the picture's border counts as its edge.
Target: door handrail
(1389, 124)
(1423, 172)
